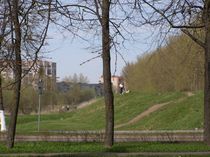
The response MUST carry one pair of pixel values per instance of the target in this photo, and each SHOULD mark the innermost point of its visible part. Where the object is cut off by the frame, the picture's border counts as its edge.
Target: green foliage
(8, 96)
(28, 100)
(76, 78)
(77, 95)
(178, 66)
(50, 99)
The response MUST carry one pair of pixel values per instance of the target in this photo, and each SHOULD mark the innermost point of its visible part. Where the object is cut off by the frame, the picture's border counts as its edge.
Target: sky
(69, 53)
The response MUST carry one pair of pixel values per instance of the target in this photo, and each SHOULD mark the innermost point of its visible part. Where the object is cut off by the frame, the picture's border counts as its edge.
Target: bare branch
(198, 41)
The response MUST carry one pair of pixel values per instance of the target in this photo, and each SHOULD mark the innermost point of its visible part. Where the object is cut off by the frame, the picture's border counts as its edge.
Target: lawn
(181, 115)
(92, 117)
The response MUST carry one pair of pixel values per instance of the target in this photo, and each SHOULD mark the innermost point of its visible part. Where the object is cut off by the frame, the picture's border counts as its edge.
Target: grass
(185, 114)
(56, 147)
(130, 105)
(92, 117)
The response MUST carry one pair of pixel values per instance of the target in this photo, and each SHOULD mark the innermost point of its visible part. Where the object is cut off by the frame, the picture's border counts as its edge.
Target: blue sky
(69, 54)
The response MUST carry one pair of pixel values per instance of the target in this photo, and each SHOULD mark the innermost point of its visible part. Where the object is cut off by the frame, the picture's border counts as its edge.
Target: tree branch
(198, 41)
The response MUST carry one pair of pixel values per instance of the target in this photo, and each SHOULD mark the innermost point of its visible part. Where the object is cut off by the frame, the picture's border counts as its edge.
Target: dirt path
(189, 94)
(87, 103)
(149, 111)
(143, 114)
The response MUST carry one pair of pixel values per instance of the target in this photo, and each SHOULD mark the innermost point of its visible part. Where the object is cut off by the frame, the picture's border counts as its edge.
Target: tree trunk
(17, 73)
(207, 74)
(108, 94)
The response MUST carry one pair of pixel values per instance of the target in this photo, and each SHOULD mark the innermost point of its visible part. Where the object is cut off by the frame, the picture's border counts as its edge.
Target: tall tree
(14, 14)
(26, 29)
(206, 46)
(193, 18)
(176, 66)
(108, 94)
(94, 17)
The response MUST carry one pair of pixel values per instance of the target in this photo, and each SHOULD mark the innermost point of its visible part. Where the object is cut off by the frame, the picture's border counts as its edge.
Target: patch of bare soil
(189, 94)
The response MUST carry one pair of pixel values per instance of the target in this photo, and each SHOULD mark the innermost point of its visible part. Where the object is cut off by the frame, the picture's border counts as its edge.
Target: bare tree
(193, 18)
(24, 35)
(3, 56)
(24, 17)
(100, 18)
(14, 14)
(108, 94)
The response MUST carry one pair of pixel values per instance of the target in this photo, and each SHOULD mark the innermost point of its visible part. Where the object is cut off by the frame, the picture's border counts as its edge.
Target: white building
(116, 80)
(32, 72)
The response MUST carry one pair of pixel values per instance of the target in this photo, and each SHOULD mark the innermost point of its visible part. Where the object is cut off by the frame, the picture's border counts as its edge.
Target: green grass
(130, 105)
(92, 117)
(185, 114)
(58, 147)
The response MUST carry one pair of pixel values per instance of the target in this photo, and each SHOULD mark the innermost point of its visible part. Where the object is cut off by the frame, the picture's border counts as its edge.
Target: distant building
(67, 86)
(31, 73)
(98, 88)
(44, 70)
(116, 80)
(63, 86)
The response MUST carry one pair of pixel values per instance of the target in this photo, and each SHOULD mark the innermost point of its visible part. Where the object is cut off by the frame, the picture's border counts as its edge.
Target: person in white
(121, 88)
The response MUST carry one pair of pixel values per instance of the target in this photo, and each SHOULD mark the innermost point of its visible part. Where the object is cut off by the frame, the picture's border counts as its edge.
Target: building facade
(116, 80)
(33, 72)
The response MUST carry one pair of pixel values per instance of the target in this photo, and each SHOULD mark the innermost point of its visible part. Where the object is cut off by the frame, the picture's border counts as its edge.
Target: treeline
(177, 66)
(52, 98)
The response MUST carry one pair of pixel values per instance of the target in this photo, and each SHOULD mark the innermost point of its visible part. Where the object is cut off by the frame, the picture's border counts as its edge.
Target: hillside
(187, 113)
(178, 65)
(179, 112)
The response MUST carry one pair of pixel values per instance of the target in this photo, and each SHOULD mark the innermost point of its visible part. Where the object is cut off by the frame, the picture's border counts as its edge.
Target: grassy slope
(131, 105)
(92, 117)
(185, 114)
